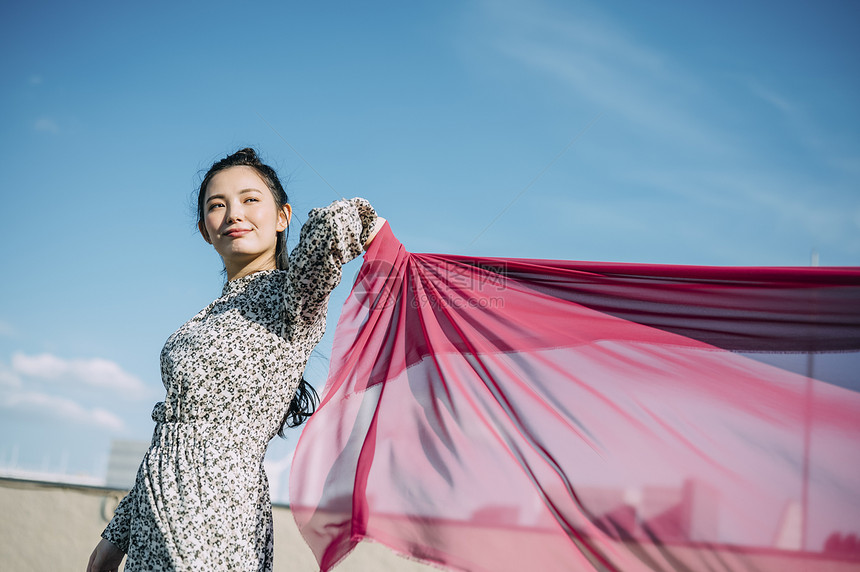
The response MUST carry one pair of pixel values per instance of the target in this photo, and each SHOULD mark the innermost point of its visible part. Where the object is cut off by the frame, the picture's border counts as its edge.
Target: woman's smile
(237, 232)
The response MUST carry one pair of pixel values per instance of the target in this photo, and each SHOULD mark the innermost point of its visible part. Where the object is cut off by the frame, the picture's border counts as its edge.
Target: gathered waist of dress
(245, 435)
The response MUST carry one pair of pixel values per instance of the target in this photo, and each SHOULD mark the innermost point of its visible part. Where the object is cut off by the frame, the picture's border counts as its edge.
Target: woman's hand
(376, 228)
(105, 558)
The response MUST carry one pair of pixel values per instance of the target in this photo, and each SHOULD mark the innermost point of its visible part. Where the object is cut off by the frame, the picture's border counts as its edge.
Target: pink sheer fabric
(501, 415)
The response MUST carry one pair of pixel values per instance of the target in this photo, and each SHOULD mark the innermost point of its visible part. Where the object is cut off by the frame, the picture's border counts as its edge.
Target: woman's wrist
(377, 226)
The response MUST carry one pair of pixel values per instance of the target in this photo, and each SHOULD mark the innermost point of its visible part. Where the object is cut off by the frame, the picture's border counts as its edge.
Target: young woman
(233, 375)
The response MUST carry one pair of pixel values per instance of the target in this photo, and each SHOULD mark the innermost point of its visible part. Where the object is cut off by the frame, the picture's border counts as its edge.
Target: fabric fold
(497, 414)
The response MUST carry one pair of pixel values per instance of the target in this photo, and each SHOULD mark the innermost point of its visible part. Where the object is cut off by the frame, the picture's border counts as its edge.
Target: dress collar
(239, 284)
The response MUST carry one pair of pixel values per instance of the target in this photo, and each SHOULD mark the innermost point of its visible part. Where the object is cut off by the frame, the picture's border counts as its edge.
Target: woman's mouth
(237, 232)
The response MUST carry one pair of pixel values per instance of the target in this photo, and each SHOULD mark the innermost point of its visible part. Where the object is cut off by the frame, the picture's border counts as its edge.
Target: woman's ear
(285, 215)
(202, 228)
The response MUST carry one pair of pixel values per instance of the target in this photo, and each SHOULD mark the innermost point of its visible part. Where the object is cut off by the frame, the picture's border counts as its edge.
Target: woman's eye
(252, 199)
(213, 206)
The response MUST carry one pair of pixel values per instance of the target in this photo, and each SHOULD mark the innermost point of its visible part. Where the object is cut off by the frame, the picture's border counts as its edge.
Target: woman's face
(241, 220)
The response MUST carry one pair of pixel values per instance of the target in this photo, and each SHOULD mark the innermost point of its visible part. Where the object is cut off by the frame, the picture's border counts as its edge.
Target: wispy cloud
(601, 63)
(8, 378)
(849, 165)
(94, 372)
(46, 125)
(798, 119)
(7, 330)
(677, 128)
(780, 198)
(63, 408)
(770, 96)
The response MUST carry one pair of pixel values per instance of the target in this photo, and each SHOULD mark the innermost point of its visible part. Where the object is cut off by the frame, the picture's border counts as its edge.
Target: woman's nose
(234, 213)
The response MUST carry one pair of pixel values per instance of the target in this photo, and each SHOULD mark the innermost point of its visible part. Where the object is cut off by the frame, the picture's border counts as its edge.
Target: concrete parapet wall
(54, 527)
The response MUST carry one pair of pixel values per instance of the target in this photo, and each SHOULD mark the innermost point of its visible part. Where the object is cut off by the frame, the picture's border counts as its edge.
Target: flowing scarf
(493, 414)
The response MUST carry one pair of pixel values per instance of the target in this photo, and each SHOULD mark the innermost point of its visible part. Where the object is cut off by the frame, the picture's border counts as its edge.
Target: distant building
(125, 457)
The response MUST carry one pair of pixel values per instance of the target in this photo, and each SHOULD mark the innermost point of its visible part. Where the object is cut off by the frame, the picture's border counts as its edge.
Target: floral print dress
(201, 498)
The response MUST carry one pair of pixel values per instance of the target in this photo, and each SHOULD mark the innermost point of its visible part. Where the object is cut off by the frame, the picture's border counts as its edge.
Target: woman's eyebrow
(243, 191)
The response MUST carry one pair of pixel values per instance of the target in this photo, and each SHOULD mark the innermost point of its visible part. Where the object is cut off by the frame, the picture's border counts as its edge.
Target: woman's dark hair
(305, 399)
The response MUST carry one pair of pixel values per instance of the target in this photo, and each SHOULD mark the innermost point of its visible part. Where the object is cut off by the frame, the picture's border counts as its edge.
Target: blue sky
(705, 133)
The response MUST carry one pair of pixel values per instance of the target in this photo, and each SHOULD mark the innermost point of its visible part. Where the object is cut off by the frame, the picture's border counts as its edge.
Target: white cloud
(47, 125)
(64, 408)
(94, 372)
(8, 378)
(43, 366)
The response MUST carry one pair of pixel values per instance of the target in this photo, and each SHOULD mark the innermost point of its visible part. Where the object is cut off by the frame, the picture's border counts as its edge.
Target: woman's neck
(238, 270)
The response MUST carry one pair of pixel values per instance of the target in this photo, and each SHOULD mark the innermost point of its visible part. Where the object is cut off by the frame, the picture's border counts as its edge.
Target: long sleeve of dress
(331, 237)
(118, 529)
